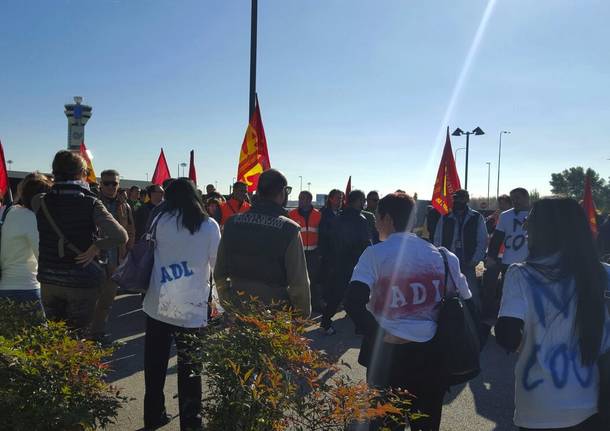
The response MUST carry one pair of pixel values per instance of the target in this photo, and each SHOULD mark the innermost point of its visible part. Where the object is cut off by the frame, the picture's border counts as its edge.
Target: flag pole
(253, 37)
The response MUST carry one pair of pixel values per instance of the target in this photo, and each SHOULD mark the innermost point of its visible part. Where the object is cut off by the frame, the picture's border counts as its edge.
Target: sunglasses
(110, 183)
(288, 190)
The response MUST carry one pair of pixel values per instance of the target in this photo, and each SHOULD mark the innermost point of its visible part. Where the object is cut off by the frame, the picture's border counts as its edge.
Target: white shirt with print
(552, 387)
(179, 284)
(406, 276)
(515, 240)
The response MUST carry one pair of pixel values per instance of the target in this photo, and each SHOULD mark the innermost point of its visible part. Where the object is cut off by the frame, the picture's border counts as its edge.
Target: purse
(94, 270)
(134, 273)
(457, 336)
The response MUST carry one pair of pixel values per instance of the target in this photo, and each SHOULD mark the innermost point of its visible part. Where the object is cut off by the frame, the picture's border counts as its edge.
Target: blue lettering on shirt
(178, 270)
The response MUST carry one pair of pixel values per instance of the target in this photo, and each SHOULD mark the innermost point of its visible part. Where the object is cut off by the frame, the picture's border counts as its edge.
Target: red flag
(254, 155)
(348, 190)
(161, 170)
(5, 185)
(192, 173)
(90, 171)
(589, 206)
(447, 180)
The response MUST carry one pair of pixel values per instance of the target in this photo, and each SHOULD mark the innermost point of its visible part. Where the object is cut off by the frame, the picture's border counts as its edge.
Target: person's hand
(392, 339)
(490, 262)
(87, 257)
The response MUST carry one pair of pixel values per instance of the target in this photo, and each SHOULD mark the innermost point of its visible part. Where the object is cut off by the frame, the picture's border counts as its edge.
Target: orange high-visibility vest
(231, 207)
(309, 227)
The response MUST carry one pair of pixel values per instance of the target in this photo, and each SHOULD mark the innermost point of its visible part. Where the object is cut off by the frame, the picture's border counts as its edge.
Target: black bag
(456, 336)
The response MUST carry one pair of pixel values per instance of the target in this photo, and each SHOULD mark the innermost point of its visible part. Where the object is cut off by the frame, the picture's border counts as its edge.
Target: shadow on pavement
(126, 325)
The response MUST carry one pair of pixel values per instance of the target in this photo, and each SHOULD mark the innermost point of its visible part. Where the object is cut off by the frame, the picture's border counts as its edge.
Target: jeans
(157, 346)
(31, 296)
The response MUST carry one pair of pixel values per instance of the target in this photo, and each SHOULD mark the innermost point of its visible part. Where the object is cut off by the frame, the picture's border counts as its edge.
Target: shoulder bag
(134, 273)
(456, 335)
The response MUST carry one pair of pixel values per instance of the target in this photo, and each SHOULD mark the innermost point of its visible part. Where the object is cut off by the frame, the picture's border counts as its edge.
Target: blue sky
(346, 87)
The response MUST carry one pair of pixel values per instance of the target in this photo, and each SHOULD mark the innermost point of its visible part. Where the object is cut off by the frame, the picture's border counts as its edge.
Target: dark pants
(157, 348)
(313, 270)
(594, 423)
(414, 367)
(333, 295)
(75, 305)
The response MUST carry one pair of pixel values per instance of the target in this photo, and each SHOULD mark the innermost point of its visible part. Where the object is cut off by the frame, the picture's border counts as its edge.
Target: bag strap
(62, 242)
(5, 213)
(446, 263)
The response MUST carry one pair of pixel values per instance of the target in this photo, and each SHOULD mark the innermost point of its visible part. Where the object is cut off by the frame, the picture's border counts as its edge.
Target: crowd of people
(531, 271)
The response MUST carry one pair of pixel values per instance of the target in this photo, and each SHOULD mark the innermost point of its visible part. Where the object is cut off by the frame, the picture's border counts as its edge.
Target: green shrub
(263, 375)
(50, 380)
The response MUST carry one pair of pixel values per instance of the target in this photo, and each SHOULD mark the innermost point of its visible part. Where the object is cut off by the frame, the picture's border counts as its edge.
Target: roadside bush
(263, 375)
(50, 380)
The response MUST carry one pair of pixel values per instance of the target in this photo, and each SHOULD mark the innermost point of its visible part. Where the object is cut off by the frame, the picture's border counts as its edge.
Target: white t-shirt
(552, 387)
(406, 276)
(19, 250)
(515, 240)
(179, 284)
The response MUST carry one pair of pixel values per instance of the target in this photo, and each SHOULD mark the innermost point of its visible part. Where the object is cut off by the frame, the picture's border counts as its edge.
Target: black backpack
(456, 336)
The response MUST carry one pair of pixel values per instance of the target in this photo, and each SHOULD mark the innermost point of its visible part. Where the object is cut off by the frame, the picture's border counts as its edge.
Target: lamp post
(503, 132)
(488, 179)
(301, 183)
(10, 164)
(253, 39)
(184, 165)
(308, 187)
(459, 132)
(455, 153)
(146, 176)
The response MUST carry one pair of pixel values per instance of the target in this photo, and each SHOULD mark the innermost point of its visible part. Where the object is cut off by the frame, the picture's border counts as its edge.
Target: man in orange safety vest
(309, 219)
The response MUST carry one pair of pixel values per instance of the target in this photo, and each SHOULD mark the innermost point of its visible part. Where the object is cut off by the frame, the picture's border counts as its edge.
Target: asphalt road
(484, 404)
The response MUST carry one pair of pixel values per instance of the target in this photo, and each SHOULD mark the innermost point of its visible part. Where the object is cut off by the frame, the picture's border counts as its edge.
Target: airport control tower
(78, 115)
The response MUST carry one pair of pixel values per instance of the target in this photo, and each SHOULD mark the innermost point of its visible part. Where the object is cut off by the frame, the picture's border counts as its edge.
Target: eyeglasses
(288, 190)
(110, 183)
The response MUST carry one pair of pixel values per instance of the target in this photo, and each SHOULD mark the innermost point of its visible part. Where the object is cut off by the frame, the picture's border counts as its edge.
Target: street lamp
(459, 132)
(503, 132)
(184, 165)
(455, 153)
(301, 182)
(308, 187)
(9, 163)
(488, 179)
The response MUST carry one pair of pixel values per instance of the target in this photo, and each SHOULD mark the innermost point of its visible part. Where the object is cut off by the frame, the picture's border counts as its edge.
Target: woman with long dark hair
(177, 300)
(553, 312)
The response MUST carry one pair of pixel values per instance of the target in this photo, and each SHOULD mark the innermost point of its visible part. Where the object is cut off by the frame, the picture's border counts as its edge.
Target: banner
(254, 156)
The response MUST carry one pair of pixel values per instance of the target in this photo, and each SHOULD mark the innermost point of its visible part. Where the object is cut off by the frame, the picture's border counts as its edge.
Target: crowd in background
(531, 271)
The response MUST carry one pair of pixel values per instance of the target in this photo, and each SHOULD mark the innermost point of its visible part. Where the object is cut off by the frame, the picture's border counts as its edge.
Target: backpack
(456, 336)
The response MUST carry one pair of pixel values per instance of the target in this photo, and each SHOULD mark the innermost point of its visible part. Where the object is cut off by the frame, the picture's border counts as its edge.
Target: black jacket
(350, 236)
